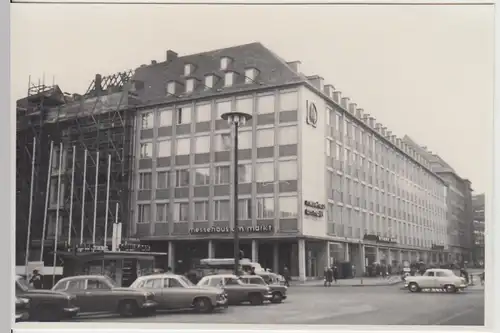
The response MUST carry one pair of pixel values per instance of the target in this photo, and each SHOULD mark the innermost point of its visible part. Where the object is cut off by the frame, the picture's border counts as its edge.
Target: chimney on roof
(393, 139)
(153, 62)
(344, 102)
(398, 142)
(294, 65)
(337, 96)
(171, 56)
(371, 122)
(424, 148)
(388, 134)
(383, 130)
(328, 90)
(378, 127)
(360, 113)
(316, 81)
(352, 108)
(98, 83)
(366, 118)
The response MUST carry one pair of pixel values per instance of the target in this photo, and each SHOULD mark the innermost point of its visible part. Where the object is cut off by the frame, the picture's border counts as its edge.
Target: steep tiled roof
(272, 71)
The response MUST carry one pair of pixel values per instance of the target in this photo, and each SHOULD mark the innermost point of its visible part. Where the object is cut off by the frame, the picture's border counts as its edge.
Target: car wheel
(277, 297)
(256, 299)
(203, 305)
(127, 308)
(450, 288)
(413, 287)
(46, 313)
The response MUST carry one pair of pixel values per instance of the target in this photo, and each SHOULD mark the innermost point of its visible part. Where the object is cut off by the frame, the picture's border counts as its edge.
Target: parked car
(177, 292)
(278, 291)
(236, 290)
(436, 278)
(271, 278)
(45, 305)
(22, 309)
(100, 294)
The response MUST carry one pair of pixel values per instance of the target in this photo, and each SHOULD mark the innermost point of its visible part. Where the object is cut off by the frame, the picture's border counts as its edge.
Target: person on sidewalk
(36, 280)
(286, 275)
(328, 276)
(335, 272)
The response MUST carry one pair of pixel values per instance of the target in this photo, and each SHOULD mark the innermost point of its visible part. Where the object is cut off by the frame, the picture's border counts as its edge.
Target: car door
(234, 291)
(442, 279)
(180, 298)
(154, 285)
(98, 297)
(428, 280)
(77, 288)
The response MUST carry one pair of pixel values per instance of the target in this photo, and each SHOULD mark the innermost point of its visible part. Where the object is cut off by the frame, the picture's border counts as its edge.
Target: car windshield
(23, 284)
(186, 281)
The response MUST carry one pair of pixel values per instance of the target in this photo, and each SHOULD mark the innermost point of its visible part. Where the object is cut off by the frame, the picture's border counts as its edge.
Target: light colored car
(436, 278)
(99, 294)
(278, 290)
(236, 290)
(177, 292)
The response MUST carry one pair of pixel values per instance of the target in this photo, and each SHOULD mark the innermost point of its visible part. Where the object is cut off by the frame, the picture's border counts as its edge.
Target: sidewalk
(354, 282)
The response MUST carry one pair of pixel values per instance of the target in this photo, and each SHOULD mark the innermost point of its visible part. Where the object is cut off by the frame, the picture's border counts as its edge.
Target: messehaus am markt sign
(227, 230)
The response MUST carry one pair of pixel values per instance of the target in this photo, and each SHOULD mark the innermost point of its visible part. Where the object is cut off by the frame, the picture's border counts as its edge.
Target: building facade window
(224, 63)
(181, 212)
(147, 120)
(222, 175)
(245, 140)
(183, 115)
(182, 178)
(202, 144)
(162, 179)
(221, 210)
(143, 213)
(288, 135)
(164, 118)
(250, 75)
(161, 212)
(289, 101)
(228, 79)
(189, 85)
(201, 211)
(264, 172)
(265, 104)
(201, 176)
(288, 207)
(209, 82)
(183, 146)
(188, 68)
(223, 107)
(222, 142)
(287, 170)
(171, 88)
(245, 105)
(145, 180)
(164, 148)
(265, 137)
(265, 208)
(245, 209)
(244, 173)
(203, 113)
(146, 150)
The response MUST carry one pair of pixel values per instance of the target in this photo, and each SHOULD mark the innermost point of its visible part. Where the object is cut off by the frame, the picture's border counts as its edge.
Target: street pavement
(368, 305)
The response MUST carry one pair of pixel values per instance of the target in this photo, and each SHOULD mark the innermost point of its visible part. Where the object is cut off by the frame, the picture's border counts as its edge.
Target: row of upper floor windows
(202, 144)
(202, 112)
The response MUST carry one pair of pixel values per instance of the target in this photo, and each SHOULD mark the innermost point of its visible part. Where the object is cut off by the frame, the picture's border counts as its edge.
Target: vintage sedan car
(177, 292)
(271, 278)
(436, 278)
(100, 294)
(236, 290)
(45, 305)
(22, 309)
(278, 291)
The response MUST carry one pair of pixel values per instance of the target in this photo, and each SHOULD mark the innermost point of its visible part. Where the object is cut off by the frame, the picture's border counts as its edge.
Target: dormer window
(171, 88)
(188, 69)
(189, 85)
(250, 75)
(228, 79)
(225, 62)
(209, 81)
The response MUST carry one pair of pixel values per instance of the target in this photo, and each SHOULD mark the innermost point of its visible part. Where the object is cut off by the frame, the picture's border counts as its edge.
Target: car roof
(220, 276)
(251, 276)
(439, 270)
(157, 276)
(82, 277)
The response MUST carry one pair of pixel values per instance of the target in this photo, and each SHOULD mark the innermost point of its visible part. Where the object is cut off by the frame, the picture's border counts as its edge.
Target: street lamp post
(236, 119)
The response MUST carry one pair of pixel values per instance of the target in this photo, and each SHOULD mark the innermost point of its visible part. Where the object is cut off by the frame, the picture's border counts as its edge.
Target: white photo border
(7, 204)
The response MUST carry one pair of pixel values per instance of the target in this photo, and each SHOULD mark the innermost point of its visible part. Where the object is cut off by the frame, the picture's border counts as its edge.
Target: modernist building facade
(319, 180)
(478, 203)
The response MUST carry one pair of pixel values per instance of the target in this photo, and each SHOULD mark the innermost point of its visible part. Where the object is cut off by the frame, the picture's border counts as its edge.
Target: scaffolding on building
(95, 128)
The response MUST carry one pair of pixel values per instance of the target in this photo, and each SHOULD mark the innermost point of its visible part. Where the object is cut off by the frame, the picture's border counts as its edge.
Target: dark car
(22, 309)
(278, 291)
(100, 294)
(45, 305)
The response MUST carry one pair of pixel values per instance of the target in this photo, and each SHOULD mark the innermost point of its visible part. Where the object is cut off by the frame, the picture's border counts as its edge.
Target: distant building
(478, 203)
(459, 202)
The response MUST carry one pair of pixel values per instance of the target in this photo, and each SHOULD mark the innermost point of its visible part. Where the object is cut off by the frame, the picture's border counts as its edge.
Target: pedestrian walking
(481, 278)
(335, 273)
(252, 271)
(286, 275)
(36, 280)
(328, 277)
(353, 271)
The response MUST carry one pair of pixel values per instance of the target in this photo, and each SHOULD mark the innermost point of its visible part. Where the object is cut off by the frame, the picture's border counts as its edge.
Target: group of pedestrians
(331, 275)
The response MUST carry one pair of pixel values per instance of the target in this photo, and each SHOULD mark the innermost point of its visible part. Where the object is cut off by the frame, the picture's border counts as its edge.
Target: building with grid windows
(478, 203)
(319, 179)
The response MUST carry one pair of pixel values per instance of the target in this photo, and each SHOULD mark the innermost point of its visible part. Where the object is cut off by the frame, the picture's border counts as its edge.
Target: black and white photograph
(252, 164)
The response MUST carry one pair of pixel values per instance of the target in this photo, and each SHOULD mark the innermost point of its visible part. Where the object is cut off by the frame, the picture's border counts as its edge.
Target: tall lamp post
(236, 119)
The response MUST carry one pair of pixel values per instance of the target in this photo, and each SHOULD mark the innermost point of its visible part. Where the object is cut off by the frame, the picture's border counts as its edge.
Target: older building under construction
(69, 139)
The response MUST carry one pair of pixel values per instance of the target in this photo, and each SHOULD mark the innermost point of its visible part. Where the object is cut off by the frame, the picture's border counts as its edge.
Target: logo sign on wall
(314, 209)
(312, 114)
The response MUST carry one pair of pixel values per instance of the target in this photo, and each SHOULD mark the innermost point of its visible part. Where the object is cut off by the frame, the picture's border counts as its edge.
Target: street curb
(347, 285)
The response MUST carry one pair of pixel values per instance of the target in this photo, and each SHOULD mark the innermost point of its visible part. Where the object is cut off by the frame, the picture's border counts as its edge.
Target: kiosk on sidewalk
(123, 265)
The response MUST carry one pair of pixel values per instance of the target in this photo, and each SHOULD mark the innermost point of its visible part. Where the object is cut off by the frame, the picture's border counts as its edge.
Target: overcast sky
(422, 71)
